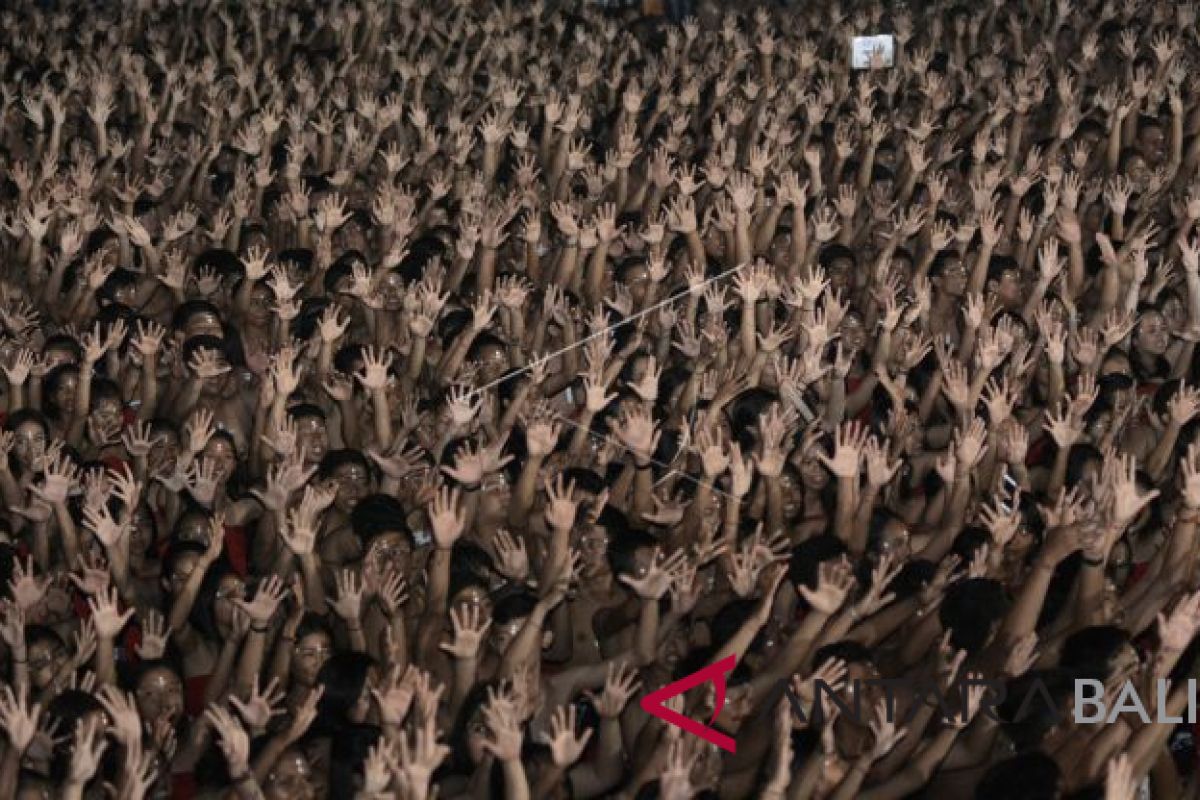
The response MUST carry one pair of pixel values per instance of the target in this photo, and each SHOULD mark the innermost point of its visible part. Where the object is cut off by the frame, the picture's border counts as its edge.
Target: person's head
(221, 451)
(805, 564)
(44, 651)
(1028, 776)
(58, 391)
(1004, 280)
(30, 432)
(106, 405)
(262, 301)
(491, 355)
(839, 263)
(888, 535)
(1151, 141)
(291, 778)
(61, 349)
(67, 710)
(948, 275)
(212, 348)
(158, 691)
(164, 447)
(198, 318)
(181, 559)
(213, 613)
(470, 731)
(1152, 335)
(312, 431)
(314, 646)
(971, 610)
(853, 331)
(510, 611)
(1100, 652)
(350, 474)
(593, 540)
(631, 554)
(346, 679)
(379, 523)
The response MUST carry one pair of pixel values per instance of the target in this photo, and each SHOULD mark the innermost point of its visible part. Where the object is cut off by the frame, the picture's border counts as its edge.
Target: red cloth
(237, 549)
(193, 694)
(183, 785)
(1137, 572)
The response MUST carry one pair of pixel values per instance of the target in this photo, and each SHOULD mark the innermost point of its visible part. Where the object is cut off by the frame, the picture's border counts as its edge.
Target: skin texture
(481, 369)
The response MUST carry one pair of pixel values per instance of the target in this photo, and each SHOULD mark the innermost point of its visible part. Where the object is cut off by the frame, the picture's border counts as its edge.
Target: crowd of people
(394, 396)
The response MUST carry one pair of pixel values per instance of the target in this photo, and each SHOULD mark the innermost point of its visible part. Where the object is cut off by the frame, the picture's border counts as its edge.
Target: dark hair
(50, 385)
(970, 610)
(22, 415)
(1089, 651)
(621, 550)
(1028, 776)
(515, 604)
(805, 563)
(203, 616)
(847, 650)
(343, 677)
(376, 514)
(340, 458)
(301, 411)
(184, 313)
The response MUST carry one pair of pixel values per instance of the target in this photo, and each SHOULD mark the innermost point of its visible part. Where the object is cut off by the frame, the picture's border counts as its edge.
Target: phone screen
(863, 47)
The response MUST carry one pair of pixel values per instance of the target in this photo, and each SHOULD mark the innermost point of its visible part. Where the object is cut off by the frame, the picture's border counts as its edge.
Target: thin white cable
(603, 331)
(671, 470)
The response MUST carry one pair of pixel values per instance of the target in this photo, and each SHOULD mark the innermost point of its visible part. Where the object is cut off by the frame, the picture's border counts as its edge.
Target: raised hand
(620, 684)
(845, 459)
(266, 601)
(154, 636)
(261, 706)
(834, 582)
(106, 616)
(470, 626)
(447, 517)
(656, 580)
(232, 739)
(18, 719)
(566, 745)
(349, 599)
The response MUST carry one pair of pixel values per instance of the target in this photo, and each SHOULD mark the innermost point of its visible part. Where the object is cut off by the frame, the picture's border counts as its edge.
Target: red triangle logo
(653, 703)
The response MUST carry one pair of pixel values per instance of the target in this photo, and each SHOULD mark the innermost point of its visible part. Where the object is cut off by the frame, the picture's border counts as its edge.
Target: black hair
(1088, 653)
(312, 623)
(339, 458)
(61, 341)
(301, 411)
(807, 557)
(185, 311)
(970, 610)
(343, 677)
(376, 514)
(621, 550)
(847, 650)
(54, 378)
(203, 616)
(1027, 776)
(512, 605)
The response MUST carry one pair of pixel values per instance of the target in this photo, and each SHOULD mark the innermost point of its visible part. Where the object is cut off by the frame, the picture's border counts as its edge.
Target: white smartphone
(863, 47)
